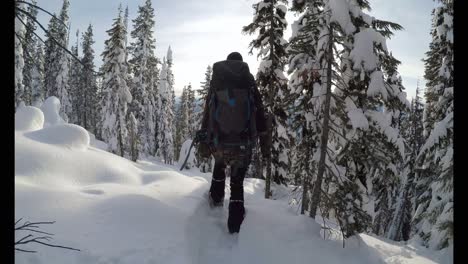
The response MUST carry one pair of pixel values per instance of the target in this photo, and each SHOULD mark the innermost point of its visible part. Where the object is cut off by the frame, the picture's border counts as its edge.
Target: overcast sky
(205, 31)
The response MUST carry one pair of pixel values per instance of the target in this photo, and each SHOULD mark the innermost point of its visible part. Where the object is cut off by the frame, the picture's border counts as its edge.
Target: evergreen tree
(302, 56)
(181, 120)
(166, 117)
(29, 53)
(269, 21)
(57, 61)
(356, 139)
(76, 86)
(37, 76)
(19, 60)
(412, 131)
(190, 108)
(143, 63)
(203, 163)
(171, 97)
(50, 56)
(89, 91)
(434, 213)
(115, 92)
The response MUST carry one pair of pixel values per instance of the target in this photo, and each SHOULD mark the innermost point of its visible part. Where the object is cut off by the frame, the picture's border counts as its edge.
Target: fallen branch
(31, 227)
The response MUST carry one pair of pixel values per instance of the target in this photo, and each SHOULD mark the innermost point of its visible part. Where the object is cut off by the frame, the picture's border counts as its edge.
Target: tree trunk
(270, 102)
(315, 201)
(305, 189)
(268, 159)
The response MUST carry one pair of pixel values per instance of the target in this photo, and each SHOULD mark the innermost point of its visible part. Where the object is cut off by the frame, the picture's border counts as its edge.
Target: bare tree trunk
(268, 160)
(315, 201)
(120, 134)
(305, 189)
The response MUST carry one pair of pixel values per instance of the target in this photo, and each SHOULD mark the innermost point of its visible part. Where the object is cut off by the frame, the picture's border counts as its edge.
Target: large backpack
(231, 105)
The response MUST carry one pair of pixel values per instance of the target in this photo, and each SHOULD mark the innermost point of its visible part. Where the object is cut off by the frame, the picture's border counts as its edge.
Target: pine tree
(269, 21)
(302, 55)
(75, 84)
(50, 56)
(181, 123)
(171, 97)
(374, 97)
(143, 63)
(190, 108)
(29, 53)
(157, 106)
(203, 163)
(99, 108)
(37, 77)
(57, 61)
(166, 117)
(361, 139)
(19, 60)
(412, 131)
(89, 92)
(115, 92)
(434, 213)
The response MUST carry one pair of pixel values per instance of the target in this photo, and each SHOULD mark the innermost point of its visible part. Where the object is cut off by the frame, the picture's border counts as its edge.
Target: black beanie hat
(234, 56)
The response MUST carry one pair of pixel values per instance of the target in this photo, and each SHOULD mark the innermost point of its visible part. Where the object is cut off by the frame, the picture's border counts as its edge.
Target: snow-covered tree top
(169, 55)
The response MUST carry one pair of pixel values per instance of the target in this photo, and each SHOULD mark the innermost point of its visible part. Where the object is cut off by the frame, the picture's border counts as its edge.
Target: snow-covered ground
(118, 211)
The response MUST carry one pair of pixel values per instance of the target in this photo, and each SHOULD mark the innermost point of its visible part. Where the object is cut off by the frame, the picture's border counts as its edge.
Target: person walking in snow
(232, 120)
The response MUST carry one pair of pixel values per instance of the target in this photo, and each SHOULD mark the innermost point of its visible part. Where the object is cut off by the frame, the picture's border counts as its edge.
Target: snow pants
(239, 160)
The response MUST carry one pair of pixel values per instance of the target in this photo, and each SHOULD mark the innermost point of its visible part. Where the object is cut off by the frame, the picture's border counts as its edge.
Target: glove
(265, 137)
(201, 136)
(204, 150)
(265, 146)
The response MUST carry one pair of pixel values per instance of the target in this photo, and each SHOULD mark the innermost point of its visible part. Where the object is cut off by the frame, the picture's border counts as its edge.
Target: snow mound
(65, 135)
(51, 109)
(96, 142)
(29, 118)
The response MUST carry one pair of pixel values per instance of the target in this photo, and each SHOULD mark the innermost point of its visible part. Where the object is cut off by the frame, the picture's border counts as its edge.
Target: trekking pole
(188, 154)
(199, 136)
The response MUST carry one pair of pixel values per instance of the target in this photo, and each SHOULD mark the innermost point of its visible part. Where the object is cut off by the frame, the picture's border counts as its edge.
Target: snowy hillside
(118, 211)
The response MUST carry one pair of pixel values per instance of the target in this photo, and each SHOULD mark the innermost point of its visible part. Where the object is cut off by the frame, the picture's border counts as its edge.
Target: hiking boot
(236, 215)
(215, 202)
(216, 194)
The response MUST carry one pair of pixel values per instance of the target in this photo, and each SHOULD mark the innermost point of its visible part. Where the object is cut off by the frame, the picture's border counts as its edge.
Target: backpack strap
(212, 134)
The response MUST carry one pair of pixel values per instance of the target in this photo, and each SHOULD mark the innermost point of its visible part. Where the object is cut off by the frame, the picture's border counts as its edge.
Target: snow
(340, 14)
(363, 49)
(29, 118)
(118, 211)
(69, 135)
(283, 8)
(376, 85)
(383, 124)
(280, 74)
(51, 108)
(358, 120)
(439, 131)
(262, 5)
(368, 19)
(264, 66)
(448, 20)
